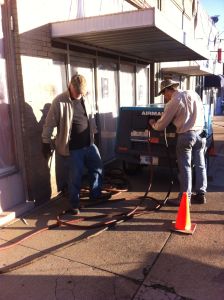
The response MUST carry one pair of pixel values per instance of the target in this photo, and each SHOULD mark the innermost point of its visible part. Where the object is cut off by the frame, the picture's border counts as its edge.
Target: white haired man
(185, 110)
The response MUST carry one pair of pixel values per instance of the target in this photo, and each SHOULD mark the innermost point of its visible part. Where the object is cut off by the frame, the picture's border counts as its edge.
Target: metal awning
(188, 70)
(142, 34)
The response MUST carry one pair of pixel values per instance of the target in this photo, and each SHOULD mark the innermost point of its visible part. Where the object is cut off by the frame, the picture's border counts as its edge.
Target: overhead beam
(139, 3)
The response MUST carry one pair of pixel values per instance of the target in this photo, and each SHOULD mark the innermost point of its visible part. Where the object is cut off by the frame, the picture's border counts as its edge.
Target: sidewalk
(140, 259)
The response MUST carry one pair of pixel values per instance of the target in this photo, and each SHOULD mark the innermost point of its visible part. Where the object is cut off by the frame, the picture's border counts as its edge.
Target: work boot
(198, 198)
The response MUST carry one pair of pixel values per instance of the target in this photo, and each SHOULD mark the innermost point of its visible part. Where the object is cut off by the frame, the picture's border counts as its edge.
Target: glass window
(142, 85)
(85, 68)
(7, 156)
(108, 108)
(127, 85)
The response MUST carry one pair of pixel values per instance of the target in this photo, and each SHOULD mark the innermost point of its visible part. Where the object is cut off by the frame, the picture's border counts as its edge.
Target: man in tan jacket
(72, 114)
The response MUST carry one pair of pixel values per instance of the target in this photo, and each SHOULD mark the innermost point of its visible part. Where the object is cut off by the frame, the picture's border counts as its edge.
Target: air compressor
(133, 137)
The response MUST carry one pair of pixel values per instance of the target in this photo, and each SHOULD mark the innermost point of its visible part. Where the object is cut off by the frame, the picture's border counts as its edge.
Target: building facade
(123, 47)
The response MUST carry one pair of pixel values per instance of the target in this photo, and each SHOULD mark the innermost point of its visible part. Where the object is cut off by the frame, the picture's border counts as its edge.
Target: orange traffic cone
(183, 221)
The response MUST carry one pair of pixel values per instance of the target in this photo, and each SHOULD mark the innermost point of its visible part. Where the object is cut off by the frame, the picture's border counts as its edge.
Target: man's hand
(46, 150)
(152, 122)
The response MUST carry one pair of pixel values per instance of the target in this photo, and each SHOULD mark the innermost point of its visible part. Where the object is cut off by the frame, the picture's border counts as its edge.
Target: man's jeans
(191, 151)
(88, 157)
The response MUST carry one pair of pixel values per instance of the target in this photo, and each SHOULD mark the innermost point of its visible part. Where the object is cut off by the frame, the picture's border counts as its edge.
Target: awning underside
(187, 70)
(141, 40)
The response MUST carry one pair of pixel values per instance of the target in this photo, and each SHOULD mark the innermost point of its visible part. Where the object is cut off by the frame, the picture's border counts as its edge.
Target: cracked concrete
(138, 259)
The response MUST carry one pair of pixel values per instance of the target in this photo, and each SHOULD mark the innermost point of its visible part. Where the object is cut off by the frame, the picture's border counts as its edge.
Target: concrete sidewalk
(138, 259)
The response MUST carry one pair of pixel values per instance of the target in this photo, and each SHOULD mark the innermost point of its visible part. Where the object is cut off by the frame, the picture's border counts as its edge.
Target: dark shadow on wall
(7, 151)
(60, 166)
(38, 171)
(40, 189)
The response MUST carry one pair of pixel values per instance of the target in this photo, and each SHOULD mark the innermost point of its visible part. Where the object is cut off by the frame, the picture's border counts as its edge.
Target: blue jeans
(88, 157)
(191, 150)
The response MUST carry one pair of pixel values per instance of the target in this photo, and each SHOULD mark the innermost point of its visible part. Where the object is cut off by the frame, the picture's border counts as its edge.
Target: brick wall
(34, 65)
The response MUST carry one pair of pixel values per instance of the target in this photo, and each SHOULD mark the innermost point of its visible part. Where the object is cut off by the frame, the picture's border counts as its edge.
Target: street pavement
(139, 259)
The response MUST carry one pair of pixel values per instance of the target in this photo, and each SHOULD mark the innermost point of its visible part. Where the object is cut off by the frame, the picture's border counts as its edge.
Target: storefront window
(85, 68)
(7, 157)
(108, 107)
(127, 85)
(142, 86)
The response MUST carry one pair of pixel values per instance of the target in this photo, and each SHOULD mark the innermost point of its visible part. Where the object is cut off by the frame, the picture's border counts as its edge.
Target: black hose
(112, 220)
(159, 203)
